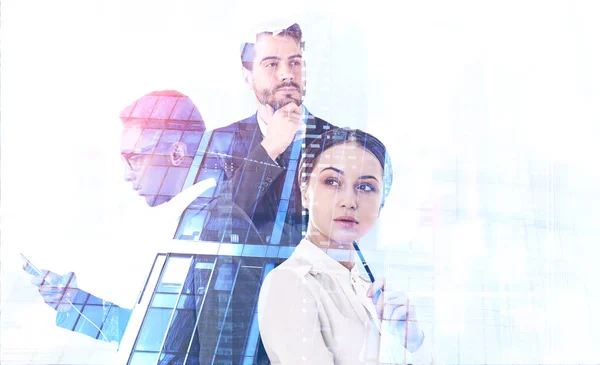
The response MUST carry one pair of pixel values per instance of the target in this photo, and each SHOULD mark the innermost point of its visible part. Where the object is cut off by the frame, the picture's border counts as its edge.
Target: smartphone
(30, 268)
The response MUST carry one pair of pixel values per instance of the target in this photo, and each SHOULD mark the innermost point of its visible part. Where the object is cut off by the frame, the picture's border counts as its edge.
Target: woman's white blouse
(312, 310)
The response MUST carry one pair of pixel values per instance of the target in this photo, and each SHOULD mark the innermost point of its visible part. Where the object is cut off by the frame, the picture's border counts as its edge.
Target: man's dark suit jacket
(262, 191)
(256, 189)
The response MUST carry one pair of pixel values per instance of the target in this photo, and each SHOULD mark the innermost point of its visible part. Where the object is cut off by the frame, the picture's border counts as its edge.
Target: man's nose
(129, 175)
(285, 72)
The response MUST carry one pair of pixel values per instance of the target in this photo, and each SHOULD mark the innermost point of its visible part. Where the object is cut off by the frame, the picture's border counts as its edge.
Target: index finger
(378, 284)
(291, 107)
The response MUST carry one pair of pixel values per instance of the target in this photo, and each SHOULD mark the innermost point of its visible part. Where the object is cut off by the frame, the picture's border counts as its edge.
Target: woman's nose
(348, 198)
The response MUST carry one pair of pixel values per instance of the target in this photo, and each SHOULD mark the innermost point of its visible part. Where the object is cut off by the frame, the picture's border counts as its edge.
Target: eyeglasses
(134, 160)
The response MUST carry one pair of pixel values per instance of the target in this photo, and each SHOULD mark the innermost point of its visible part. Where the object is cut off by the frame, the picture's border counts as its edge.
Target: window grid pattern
(161, 180)
(83, 308)
(160, 120)
(206, 313)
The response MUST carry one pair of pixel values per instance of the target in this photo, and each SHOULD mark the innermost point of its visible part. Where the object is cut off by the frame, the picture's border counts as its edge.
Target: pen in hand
(368, 270)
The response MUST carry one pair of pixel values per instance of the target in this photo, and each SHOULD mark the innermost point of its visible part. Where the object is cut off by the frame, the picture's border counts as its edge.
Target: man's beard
(266, 96)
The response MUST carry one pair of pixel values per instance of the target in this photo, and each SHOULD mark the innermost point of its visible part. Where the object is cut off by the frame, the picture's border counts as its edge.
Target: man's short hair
(247, 49)
(166, 109)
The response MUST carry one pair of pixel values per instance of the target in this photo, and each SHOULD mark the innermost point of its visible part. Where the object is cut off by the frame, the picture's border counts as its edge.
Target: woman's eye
(366, 187)
(332, 182)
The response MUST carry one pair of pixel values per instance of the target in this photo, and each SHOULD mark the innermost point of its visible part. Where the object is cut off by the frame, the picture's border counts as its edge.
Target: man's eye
(271, 65)
(136, 159)
(296, 63)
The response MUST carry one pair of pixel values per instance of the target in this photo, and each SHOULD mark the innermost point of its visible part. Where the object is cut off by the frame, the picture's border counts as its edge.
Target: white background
(431, 79)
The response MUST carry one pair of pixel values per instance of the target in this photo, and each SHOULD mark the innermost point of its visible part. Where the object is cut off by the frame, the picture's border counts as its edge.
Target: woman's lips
(346, 222)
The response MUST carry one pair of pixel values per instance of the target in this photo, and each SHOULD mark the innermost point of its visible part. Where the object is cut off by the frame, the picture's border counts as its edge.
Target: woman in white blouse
(316, 307)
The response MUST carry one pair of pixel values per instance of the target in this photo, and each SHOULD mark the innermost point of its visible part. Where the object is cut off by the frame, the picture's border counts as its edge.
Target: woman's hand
(394, 307)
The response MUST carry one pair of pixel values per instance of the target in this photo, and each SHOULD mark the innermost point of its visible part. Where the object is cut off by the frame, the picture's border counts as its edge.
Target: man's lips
(287, 90)
(291, 87)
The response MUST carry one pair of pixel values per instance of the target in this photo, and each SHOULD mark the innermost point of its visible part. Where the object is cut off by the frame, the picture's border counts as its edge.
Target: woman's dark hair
(338, 136)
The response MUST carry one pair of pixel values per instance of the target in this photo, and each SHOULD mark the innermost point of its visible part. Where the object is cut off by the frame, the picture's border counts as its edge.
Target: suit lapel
(247, 137)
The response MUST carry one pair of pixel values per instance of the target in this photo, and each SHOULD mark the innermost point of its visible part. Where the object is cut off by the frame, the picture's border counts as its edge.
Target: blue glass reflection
(153, 330)
(221, 142)
(149, 137)
(94, 313)
(70, 320)
(152, 180)
(225, 277)
(167, 139)
(164, 300)
(143, 358)
(192, 141)
(171, 359)
(174, 180)
(191, 225)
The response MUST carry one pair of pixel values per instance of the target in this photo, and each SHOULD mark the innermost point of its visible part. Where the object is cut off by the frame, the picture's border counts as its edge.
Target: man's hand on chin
(282, 126)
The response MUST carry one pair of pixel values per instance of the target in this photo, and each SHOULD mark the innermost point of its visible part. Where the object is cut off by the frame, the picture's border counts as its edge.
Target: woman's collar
(324, 259)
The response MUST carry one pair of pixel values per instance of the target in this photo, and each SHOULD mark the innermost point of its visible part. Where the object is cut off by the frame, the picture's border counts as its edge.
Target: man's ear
(248, 78)
(177, 153)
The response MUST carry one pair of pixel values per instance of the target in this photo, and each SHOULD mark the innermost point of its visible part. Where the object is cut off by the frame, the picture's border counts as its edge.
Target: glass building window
(149, 137)
(167, 139)
(191, 225)
(164, 300)
(80, 296)
(153, 330)
(171, 359)
(143, 358)
(192, 141)
(211, 168)
(96, 314)
(174, 180)
(221, 142)
(225, 277)
(180, 331)
(71, 320)
(174, 275)
(153, 179)
(185, 317)
(214, 320)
